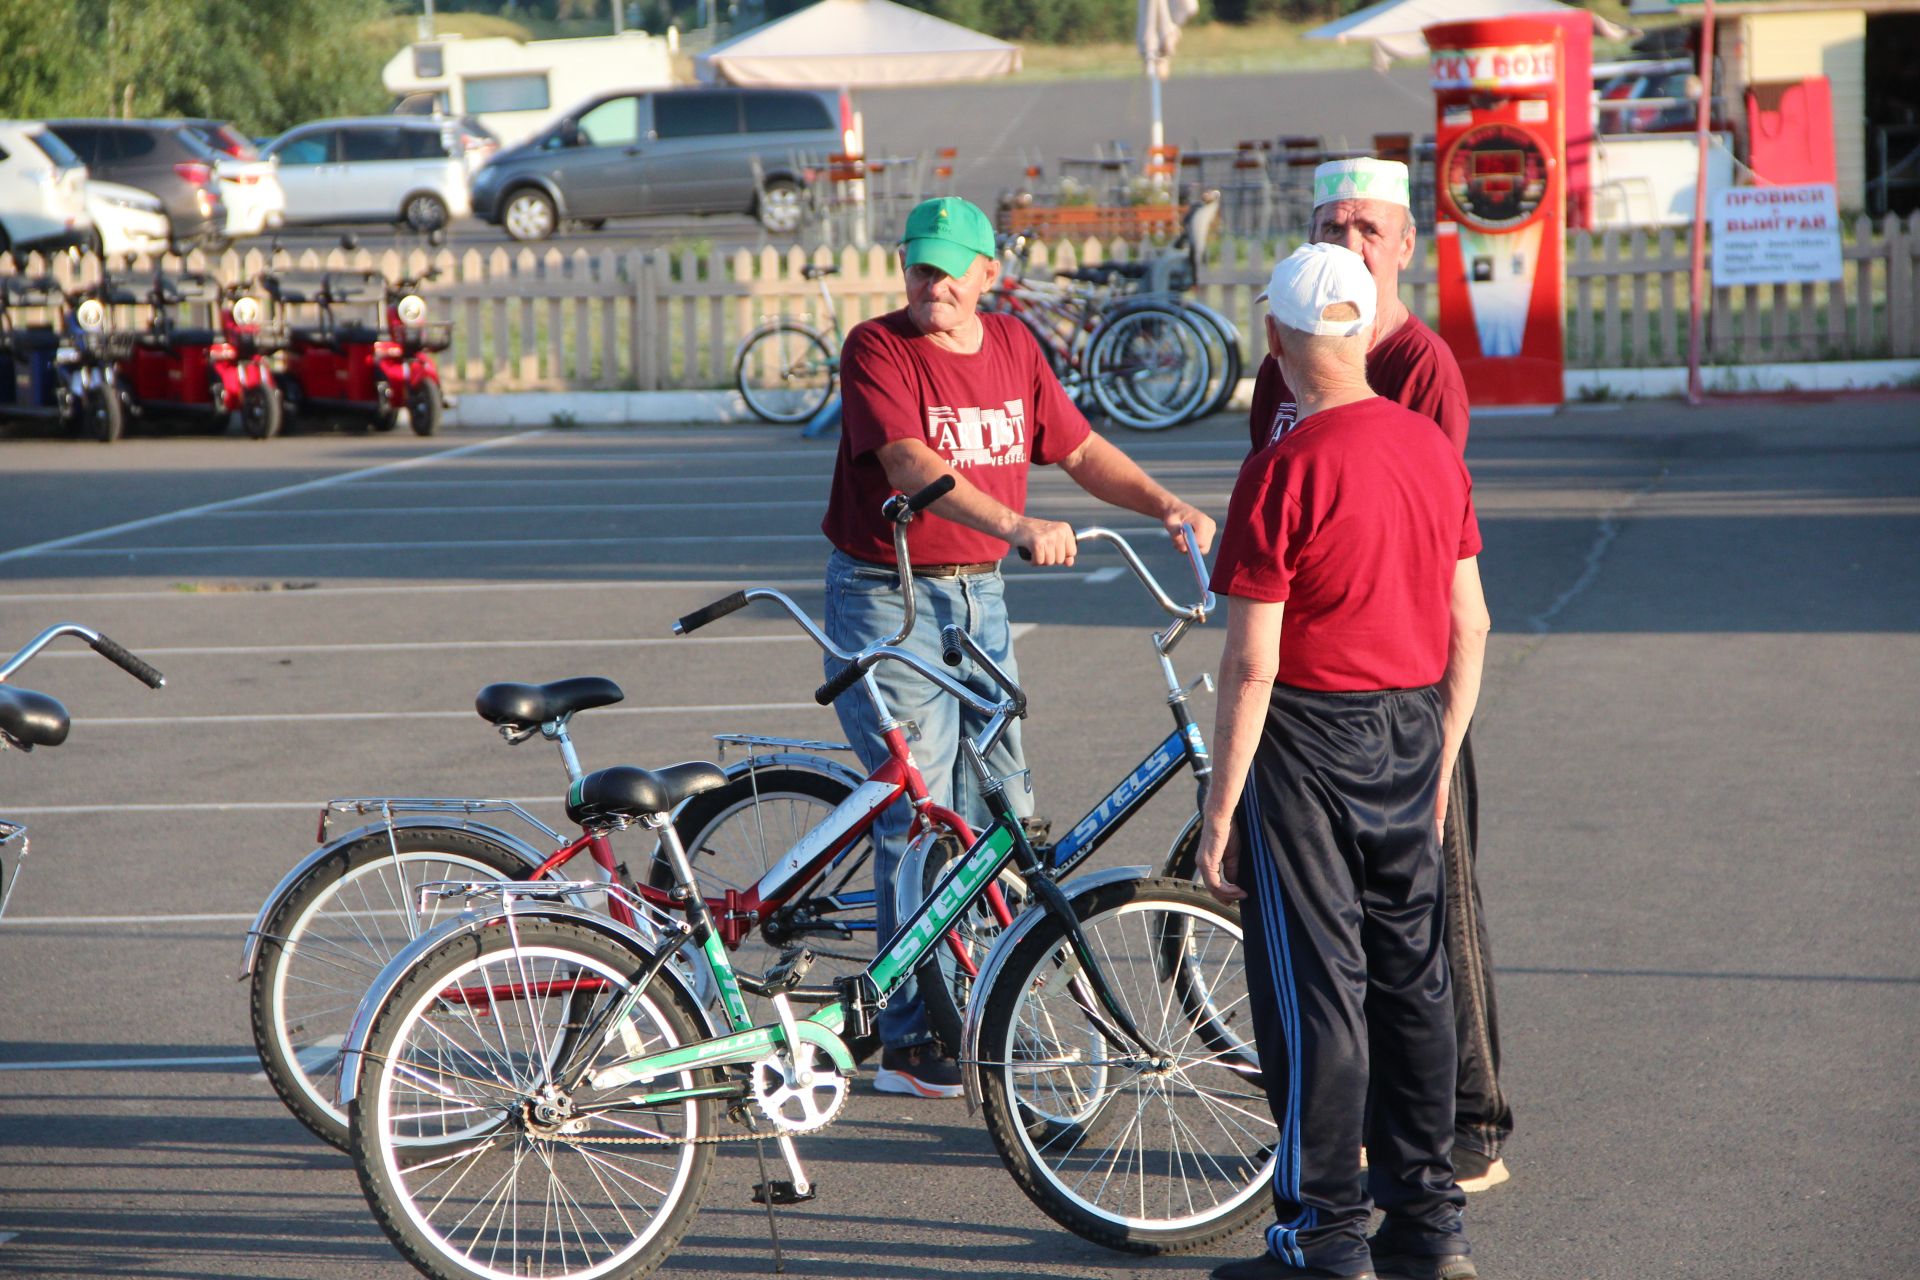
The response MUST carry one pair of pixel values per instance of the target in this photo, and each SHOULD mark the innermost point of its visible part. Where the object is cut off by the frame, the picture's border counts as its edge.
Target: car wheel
(780, 206)
(529, 215)
(425, 212)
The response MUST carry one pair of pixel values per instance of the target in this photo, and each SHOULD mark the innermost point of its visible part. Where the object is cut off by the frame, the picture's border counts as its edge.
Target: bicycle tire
(785, 372)
(1223, 349)
(331, 935)
(1200, 1143)
(1148, 368)
(735, 833)
(1227, 1027)
(481, 1205)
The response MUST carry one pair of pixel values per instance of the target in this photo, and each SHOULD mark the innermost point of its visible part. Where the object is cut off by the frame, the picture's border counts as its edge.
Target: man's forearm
(1114, 478)
(1247, 668)
(1466, 657)
(912, 469)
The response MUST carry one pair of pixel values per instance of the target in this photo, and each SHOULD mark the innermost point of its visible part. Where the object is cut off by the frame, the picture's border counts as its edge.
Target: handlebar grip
(1025, 553)
(898, 506)
(120, 657)
(843, 680)
(709, 613)
(950, 651)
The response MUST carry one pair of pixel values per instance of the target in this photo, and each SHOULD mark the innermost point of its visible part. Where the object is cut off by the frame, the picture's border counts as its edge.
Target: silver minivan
(666, 151)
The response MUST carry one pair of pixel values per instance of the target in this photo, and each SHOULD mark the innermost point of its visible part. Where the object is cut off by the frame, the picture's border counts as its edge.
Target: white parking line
(126, 1064)
(571, 508)
(425, 544)
(230, 917)
(59, 545)
(217, 806)
(409, 646)
(293, 717)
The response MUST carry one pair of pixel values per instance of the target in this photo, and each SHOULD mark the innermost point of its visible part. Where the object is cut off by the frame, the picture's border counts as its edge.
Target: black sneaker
(1476, 1170)
(918, 1072)
(1424, 1266)
(1268, 1267)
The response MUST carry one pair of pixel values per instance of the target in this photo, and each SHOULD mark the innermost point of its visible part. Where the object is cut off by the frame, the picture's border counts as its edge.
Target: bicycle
(1140, 362)
(593, 1109)
(347, 908)
(947, 977)
(29, 719)
(786, 370)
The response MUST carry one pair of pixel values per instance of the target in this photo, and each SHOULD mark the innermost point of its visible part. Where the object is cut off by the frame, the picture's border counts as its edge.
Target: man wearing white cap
(1364, 204)
(1355, 635)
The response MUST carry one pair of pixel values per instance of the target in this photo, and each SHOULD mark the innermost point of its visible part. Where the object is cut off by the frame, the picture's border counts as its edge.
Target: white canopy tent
(1393, 26)
(857, 44)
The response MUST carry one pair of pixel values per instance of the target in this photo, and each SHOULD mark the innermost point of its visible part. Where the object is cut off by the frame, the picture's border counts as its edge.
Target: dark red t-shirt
(990, 415)
(1413, 367)
(1356, 518)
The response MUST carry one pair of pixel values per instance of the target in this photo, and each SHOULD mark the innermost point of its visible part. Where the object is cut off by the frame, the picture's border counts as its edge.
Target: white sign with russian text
(1776, 235)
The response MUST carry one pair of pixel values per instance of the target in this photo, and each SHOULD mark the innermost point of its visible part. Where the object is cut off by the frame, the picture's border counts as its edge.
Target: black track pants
(1346, 967)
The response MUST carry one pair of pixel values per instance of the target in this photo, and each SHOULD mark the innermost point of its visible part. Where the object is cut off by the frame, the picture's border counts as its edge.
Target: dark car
(666, 151)
(165, 158)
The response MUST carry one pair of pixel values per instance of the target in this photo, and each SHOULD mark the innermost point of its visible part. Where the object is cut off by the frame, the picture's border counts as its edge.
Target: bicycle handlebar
(1196, 612)
(900, 506)
(708, 613)
(107, 648)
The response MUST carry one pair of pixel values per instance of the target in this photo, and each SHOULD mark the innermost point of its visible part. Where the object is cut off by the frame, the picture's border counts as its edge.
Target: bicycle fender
(1173, 850)
(1003, 946)
(513, 844)
(472, 922)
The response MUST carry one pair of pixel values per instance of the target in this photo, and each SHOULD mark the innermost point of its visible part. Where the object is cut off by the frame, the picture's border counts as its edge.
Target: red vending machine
(1500, 205)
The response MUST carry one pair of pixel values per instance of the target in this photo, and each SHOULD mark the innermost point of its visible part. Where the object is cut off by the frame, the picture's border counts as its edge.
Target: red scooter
(377, 372)
(176, 368)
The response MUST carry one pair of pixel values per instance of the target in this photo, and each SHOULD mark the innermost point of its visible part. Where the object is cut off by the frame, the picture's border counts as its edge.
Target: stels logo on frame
(977, 437)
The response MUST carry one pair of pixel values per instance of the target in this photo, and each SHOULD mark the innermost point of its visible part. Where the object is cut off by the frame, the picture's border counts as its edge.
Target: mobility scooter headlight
(412, 309)
(246, 311)
(92, 315)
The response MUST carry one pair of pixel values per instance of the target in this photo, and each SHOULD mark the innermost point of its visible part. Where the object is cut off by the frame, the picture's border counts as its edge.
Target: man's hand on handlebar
(1045, 542)
(1184, 513)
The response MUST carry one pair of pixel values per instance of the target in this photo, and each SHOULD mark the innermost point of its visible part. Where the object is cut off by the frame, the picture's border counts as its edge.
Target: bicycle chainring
(800, 1096)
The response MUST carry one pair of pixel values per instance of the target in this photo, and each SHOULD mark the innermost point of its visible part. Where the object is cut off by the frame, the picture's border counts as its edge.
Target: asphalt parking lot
(1697, 754)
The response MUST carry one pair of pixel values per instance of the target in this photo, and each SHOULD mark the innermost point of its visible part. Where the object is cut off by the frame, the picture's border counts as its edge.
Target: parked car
(407, 169)
(249, 182)
(43, 201)
(666, 151)
(171, 160)
(126, 220)
(1664, 95)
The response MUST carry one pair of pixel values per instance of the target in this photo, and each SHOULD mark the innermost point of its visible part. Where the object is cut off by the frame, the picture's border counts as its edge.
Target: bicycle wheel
(785, 372)
(1223, 350)
(335, 930)
(476, 1162)
(1183, 1149)
(1217, 1009)
(1149, 368)
(735, 834)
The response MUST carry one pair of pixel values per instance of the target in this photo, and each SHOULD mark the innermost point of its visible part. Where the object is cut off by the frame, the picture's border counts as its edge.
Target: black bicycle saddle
(29, 719)
(628, 792)
(526, 705)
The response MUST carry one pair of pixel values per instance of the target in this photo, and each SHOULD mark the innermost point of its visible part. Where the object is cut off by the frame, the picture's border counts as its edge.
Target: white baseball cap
(1314, 277)
(1363, 178)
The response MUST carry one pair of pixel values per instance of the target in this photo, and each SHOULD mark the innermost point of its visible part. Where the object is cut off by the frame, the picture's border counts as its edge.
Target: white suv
(403, 169)
(43, 190)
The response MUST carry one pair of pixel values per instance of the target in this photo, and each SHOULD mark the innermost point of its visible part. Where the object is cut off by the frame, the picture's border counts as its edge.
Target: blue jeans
(864, 604)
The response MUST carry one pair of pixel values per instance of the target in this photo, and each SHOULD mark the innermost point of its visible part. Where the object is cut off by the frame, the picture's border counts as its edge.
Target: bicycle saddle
(627, 792)
(526, 705)
(29, 719)
(815, 272)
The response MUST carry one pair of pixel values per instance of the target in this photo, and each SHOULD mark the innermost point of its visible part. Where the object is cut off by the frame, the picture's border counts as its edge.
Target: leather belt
(939, 570)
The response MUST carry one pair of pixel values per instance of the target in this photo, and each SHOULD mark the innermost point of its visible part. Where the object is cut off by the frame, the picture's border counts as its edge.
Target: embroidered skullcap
(1362, 179)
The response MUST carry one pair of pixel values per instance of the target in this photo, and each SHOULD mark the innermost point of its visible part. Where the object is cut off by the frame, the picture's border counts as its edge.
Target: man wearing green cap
(940, 388)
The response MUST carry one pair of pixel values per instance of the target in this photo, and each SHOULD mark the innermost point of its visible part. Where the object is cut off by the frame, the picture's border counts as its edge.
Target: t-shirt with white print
(990, 414)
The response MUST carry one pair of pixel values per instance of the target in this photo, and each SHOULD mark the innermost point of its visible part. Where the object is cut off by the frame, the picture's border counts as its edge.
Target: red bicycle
(329, 929)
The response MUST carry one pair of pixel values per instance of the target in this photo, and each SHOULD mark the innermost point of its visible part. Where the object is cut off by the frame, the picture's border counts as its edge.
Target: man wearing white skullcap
(1356, 630)
(1366, 205)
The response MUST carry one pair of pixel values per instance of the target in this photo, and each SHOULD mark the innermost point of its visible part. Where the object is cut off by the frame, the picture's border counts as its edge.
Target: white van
(516, 88)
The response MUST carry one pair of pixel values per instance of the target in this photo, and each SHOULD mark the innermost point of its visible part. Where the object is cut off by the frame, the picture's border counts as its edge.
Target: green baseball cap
(948, 233)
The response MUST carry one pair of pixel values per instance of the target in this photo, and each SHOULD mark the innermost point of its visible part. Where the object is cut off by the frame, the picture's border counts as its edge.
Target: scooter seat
(523, 706)
(628, 792)
(29, 719)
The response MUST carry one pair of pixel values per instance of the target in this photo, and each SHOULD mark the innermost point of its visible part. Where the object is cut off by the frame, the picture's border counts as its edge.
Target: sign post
(1501, 205)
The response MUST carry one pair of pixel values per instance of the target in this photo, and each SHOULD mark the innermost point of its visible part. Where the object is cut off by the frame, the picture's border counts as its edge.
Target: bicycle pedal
(784, 1192)
(789, 970)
